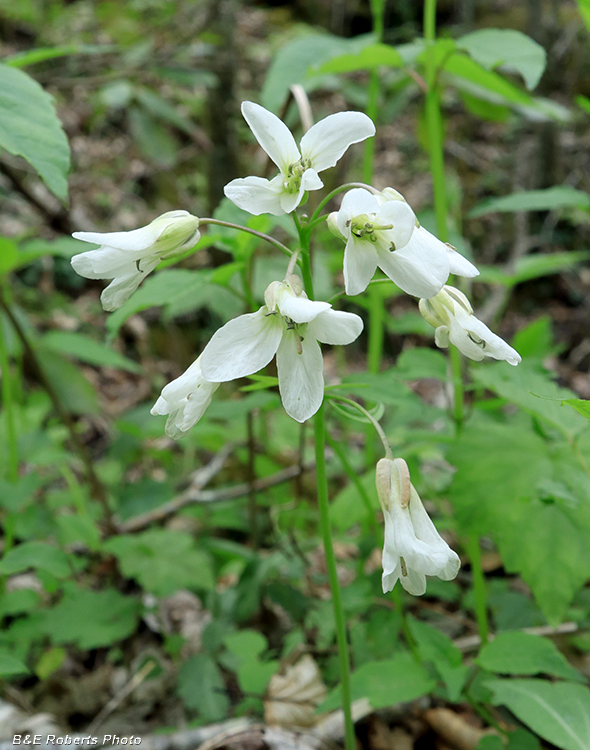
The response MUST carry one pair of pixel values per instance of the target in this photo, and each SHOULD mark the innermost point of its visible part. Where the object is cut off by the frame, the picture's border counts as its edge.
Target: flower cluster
(379, 230)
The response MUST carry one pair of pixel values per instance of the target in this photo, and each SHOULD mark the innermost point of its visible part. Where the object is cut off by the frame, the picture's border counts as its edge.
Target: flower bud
(180, 232)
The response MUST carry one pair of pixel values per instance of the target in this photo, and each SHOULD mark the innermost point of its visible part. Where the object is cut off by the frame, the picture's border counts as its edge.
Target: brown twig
(97, 489)
(196, 495)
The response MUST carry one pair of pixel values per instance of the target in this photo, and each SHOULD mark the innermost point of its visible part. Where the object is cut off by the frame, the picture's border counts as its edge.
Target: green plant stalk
(8, 404)
(354, 478)
(479, 588)
(260, 235)
(324, 508)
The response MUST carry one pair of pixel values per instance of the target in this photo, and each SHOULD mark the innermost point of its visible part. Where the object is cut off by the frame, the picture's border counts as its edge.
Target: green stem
(324, 508)
(371, 418)
(479, 588)
(8, 404)
(458, 390)
(239, 227)
(376, 329)
(304, 240)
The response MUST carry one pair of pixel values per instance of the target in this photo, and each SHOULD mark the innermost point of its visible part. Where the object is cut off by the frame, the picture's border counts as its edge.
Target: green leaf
(579, 404)
(524, 653)
(91, 619)
(41, 54)
(72, 388)
(533, 391)
(535, 339)
(584, 8)
(435, 646)
(245, 647)
(370, 58)
(201, 687)
(163, 561)
(29, 127)
(153, 139)
(532, 267)
(414, 364)
(50, 661)
(583, 102)
(37, 555)
(8, 255)
(87, 350)
(78, 529)
(550, 199)
(547, 543)
(509, 49)
(10, 665)
(557, 712)
(291, 64)
(497, 465)
(385, 683)
(483, 81)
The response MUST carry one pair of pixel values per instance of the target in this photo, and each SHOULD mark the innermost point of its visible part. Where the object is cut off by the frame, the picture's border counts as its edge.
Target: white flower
(321, 147)
(185, 400)
(421, 237)
(451, 314)
(128, 257)
(383, 233)
(413, 548)
(290, 326)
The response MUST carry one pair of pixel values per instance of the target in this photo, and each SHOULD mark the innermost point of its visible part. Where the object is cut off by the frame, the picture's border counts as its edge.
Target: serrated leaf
(201, 687)
(557, 712)
(29, 127)
(88, 350)
(550, 199)
(91, 619)
(163, 561)
(385, 683)
(533, 391)
(509, 49)
(36, 555)
(525, 654)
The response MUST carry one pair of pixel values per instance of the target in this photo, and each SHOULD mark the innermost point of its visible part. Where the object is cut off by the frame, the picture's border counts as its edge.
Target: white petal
(336, 327)
(301, 376)
(310, 180)
(414, 582)
(327, 140)
(459, 265)
(299, 309)
(356, 202)
(466, 328)
(257, 195)
(417, 268)
(161, 407)
(441, 337)
(119, 290)
(403, 219)
(136, 239)
(105, 263)
(190, 380)
(242, 347)
(272, 134)
(426, 531)
(360, 264)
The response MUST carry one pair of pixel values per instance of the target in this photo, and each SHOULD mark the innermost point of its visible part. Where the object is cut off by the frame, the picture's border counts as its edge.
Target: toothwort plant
(378, 229)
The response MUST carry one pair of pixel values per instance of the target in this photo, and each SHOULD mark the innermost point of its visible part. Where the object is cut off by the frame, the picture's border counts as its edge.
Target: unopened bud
(393, 482)
(180, 230)
(332, 224)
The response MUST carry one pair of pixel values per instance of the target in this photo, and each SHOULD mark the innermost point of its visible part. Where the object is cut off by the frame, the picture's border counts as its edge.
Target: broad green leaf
(438, 648)
(201, 687)
(483, 109)
(498, 465)
(154, 140)
(19, 601)
(547, 543)
(294, 60)
(414, 364)
(76, 528)
(533, 391)
(36, 555)
(508, 49)
(519, 739)
(463, 67)
(347, 509)
(163, 110)
(550, 199)
(558, 712)
(10, 665)
(41, 54)
(91, 619)
(163, 561)
(370, 58)
(579, 404)
(525, 654)
(532, 267)
(535, 339)
(88, 350)
(385, 683)
(245, 647)
(29, 127)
